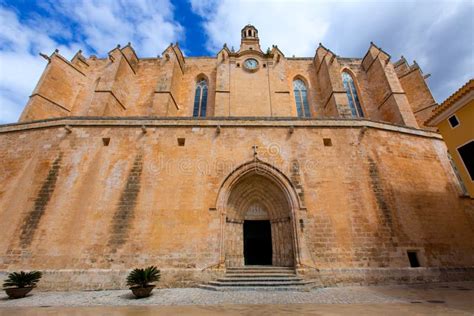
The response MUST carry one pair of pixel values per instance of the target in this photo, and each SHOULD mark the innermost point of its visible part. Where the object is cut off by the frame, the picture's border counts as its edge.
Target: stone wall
(81, 194)
(123, 85)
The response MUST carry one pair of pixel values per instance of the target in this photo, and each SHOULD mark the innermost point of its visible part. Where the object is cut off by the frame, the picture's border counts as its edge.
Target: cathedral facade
(200, 164)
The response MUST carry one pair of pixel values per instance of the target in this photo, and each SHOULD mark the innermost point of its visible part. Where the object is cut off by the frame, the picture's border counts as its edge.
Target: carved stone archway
(258, 191)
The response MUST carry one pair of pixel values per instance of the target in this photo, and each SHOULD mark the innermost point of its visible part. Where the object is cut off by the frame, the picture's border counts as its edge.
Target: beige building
(204, 164)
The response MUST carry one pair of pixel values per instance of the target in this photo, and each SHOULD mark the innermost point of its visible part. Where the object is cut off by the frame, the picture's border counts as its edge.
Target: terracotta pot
(18, 292)
(141, 292)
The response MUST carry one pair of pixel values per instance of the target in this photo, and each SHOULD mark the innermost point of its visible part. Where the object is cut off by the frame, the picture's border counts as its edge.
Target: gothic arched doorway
(259, 218)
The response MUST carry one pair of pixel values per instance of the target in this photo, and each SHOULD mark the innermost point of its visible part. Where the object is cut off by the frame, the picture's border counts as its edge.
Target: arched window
(200, 99)
(301, 98)
(352, 96)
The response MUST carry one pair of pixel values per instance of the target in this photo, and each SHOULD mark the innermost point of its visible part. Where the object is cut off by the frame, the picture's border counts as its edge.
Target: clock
(251, 64)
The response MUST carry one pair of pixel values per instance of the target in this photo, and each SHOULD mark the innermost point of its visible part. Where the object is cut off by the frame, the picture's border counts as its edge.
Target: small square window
(327, 142)
(238, 65)
(453, 121)
(181, 141)
(106, 141)
(413, 258)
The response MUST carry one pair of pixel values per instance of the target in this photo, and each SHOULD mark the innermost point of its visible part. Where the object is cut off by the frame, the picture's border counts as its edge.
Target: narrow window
(200, 99)
(352, 96)
(453, 121)
(301, 98)
(413, 258)
(466, 152)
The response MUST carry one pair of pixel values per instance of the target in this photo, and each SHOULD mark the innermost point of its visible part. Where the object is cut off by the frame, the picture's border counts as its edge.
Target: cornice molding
(177, 122)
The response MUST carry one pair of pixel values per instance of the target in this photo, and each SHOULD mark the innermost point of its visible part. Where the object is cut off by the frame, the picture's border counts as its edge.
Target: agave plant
(143, 277)
(22, 279)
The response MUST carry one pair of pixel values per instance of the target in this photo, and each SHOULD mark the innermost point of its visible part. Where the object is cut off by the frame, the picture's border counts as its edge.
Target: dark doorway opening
(467, 155)
(257, 243)
(413, 258)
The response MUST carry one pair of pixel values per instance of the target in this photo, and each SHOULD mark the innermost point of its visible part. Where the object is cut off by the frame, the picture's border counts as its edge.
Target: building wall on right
(460, 142)
(454, 119)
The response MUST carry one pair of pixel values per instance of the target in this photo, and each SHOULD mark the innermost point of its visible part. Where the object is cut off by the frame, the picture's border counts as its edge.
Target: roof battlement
(125, 85)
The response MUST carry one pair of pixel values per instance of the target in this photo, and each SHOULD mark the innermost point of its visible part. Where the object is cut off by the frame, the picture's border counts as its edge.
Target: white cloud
(149, 25)
(93, 26)
(9, 107)
(438, 34)
(296, 27)
(20, 67)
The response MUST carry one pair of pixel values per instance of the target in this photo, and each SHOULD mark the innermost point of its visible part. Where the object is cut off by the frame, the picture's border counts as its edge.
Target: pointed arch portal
(258, 203)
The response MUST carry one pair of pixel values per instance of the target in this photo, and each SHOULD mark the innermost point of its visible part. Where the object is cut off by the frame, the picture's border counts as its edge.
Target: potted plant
(139, 281)
(18, 284)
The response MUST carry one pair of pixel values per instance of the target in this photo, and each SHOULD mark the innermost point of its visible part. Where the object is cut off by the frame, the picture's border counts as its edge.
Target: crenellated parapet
(386, 90)
(166, 98)
(57, 89)
(113, 89)
(80, 61)
(248, 81)
(417, 91)
(280, 90)
(222, 95)
(328, 74)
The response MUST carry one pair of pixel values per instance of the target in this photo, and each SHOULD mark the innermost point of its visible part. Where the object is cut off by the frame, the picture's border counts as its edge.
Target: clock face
(251, 63)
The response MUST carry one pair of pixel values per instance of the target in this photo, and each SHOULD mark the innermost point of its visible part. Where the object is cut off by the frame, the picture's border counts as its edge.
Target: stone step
(261, 268)
(254, 283)
(253, 270)
(266, 278)
(300, 288)
(260, 275)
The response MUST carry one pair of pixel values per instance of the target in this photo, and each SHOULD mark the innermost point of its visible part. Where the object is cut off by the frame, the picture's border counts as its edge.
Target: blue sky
(439, 35)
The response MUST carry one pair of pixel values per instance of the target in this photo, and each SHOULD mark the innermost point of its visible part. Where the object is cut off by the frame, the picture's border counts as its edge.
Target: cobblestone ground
(444, 298)
(194, 296)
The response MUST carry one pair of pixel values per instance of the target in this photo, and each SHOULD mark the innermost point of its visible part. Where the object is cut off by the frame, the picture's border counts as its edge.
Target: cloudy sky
(439, 35)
